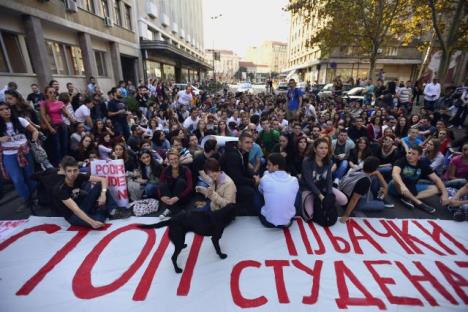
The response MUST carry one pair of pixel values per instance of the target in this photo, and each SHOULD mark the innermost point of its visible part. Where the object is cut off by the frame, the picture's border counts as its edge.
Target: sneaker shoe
(450, 127)
(407, 203)
(166, 214)
(426, 208)
(336, 182)
(459, 216)
(121, 213)
(388, 204)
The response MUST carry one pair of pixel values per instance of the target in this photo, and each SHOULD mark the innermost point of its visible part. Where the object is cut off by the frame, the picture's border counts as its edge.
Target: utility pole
(214, 18)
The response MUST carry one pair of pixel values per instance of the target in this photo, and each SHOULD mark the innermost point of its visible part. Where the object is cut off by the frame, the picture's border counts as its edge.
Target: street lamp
(214, 18)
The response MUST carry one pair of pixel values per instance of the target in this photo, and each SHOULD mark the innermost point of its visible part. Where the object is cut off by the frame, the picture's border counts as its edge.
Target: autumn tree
(367, 25)
(450, 25)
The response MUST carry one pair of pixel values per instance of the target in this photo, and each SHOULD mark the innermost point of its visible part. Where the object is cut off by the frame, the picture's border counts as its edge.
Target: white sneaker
(336, 182)
(450, 127)
(166, 213)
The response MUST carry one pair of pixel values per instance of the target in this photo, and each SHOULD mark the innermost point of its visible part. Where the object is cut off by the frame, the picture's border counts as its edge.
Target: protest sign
(114, 171)
(364, 265)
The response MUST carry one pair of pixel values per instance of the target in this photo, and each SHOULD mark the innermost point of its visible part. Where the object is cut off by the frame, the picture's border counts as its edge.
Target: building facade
(274, 54)
(171, 37)
(227, 65)
(69, 41)
(310, 64)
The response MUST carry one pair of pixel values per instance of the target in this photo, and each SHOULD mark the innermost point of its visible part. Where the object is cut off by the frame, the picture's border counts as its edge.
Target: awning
(166, 49)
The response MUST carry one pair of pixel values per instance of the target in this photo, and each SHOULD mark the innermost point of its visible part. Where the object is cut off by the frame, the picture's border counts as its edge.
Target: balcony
(390, 53)
(160, 48)
(182, 33)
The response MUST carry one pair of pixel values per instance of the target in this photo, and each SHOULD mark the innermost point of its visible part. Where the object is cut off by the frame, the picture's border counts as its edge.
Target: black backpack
(325, 212)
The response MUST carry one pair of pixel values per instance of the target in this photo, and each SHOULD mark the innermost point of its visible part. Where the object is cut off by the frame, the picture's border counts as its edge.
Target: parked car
(326, 91)
(355, 94)
(282, 88)
(183, 86)
(244, 87)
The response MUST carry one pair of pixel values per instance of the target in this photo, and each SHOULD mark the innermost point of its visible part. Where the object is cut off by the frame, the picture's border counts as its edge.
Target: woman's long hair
(317, 142)
(13, 119)
(155, 167)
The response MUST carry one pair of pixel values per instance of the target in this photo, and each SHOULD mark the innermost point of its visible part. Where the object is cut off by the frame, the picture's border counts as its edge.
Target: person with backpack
(16, 160)
(316, 181)
(365, 188)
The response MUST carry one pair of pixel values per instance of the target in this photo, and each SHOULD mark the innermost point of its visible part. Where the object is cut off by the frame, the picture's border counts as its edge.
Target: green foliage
(131, 102)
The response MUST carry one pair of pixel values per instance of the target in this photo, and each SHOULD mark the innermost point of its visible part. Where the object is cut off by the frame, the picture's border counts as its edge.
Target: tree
(366, 25)
(450, 24)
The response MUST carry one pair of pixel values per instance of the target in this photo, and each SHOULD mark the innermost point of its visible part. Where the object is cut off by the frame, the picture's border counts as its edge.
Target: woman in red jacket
(175, 184)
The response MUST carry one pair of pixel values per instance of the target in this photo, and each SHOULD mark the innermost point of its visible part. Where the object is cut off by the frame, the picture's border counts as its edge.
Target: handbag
(144, 207)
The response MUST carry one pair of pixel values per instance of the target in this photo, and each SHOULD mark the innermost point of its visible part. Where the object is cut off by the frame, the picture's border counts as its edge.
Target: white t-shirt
(16, 139)
(82, 113)
(185, 98)
(191, 124)
(279, 190)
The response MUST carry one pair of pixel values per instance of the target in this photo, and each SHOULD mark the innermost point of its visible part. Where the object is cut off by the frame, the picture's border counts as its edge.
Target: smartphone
(199, 188)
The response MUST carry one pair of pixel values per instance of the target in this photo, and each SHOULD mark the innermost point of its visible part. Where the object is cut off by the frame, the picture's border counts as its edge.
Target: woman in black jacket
(317, 173)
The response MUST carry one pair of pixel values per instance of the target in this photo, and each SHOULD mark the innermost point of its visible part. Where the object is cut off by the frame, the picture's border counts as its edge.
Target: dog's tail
(155, 225)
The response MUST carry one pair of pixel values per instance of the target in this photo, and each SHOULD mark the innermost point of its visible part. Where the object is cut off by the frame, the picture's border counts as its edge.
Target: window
(11, 56)
(65, 59)
(105, 8)
(89, 6)
(76, 60)
(128, 17)
(118, 16)
(101, 63)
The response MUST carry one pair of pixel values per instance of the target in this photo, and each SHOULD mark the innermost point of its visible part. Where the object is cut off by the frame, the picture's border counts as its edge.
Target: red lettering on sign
(304, 237)
(145, 283)
(48, 228)
(122, 194)
(390, 233)
(289, 242)
(436, 233)
(411, 240)
(321, 246)
(237, 296)
(336, 240)
(186, 279)
(279, 278)
(116, 181)
(344, 301)
(426, 277)
(352, 227)
(384, 281)
(82, 285)
(315, 273)
(56, 259)
(456, 280)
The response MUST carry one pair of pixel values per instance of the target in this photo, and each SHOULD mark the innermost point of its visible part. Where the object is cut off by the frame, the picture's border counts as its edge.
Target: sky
(244, 23)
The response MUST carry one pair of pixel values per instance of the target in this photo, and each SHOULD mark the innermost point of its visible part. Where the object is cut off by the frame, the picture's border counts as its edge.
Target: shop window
(11, 56)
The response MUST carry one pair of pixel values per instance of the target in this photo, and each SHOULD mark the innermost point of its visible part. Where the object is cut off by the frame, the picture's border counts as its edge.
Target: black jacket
(236, 165)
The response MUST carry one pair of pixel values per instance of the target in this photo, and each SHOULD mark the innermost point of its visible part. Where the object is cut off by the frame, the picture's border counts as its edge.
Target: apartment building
(69, 41)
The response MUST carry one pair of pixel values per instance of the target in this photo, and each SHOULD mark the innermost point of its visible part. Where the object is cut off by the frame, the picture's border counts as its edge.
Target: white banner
(365, 265)
(114, 170)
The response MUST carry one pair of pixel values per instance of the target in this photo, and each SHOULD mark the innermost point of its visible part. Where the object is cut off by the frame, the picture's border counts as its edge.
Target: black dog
(202, 223)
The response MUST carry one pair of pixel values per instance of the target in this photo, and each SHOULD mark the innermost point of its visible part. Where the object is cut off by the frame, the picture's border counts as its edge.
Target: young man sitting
(279, 190)
(88, 208)
(357, 184)
(406, 173)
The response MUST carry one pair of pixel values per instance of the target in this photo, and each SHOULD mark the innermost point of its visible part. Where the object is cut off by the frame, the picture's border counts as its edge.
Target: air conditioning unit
(165, 20)
(71, 6)
(108, 21)
(175, 27)
(182, 33)
(151, 9)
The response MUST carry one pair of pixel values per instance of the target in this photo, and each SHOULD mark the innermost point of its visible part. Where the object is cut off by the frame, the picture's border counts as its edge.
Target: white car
(282, 88)
(245, 87)
(355, 95)
(326, 91)
(183, 86)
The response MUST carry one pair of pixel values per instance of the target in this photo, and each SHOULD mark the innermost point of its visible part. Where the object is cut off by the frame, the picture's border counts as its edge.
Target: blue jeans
(386, 172)
(150, 190)
(20, 176)
(89, 206)
(342, 167)
(429, 105)
(121, 128)
(371, 203)
(58, 144)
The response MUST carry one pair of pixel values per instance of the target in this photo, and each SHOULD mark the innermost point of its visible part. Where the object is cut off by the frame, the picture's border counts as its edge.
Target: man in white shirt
(83, 113)
(279, 189)
(191, 122)
(184, 97)
(431, 94)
